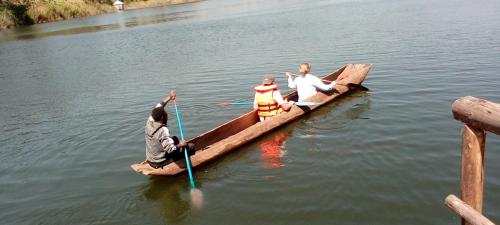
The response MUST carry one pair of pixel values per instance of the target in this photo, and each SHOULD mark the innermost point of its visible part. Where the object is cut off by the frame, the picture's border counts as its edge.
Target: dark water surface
(74, 97)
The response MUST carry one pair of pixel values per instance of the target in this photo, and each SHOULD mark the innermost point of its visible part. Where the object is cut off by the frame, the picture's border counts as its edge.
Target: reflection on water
(340, 113)
(34, 32)
(272, 150)
(332, 116)
(171, 195)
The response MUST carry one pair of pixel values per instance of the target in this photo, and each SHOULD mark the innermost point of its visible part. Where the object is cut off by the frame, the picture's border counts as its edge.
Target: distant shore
(28, 12)
(156, 3)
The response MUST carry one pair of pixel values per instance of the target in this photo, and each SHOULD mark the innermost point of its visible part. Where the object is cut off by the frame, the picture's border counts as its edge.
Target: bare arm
(285, 105)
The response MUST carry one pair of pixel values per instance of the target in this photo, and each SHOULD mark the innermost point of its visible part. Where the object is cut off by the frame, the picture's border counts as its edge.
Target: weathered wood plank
(478, 113)
(466, 212)
(472, 171)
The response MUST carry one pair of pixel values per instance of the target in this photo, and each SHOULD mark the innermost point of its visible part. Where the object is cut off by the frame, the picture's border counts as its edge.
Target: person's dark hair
(158, 113)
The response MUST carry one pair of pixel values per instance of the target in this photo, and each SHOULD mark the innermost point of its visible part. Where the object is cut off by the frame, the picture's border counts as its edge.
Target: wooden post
(466, 212)
(479, 116)
(472, 179)
(478, 113)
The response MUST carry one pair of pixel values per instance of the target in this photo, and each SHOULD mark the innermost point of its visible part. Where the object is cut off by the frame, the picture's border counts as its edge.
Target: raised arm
(167, 99)
(322, 86)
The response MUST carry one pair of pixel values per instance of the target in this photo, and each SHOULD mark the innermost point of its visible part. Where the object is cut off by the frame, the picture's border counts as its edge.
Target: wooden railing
(479, 116)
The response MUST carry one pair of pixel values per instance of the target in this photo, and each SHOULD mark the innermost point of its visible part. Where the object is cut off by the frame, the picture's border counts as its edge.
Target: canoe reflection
(172, 196)
(272, 149)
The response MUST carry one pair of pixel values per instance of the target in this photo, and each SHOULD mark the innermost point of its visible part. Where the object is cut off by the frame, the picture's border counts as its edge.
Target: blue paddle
(196, 195)
(235, 103)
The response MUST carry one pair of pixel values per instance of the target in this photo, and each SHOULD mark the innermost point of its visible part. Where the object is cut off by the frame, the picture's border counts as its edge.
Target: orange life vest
(267, 106)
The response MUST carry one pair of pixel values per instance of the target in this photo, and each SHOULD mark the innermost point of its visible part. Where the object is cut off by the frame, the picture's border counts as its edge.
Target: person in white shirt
(268, 100)
(306, 83)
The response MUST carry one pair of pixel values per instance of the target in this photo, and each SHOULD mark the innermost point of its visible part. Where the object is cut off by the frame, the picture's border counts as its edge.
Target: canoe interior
(240, 123)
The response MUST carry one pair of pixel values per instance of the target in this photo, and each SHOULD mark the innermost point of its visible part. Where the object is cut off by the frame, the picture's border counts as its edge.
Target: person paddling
(306, 83)
(161, 148)
(268, 100)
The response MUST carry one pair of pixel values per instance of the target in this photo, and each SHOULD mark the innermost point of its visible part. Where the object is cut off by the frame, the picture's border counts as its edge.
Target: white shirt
(306, 85)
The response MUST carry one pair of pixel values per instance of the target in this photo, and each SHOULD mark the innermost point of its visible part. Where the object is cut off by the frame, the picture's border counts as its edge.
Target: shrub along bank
(28, 12)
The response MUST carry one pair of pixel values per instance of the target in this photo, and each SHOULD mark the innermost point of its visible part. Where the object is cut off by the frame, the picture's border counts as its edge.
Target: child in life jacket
(268, 100)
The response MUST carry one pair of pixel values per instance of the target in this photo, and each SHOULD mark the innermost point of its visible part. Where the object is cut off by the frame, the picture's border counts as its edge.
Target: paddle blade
(196, 198)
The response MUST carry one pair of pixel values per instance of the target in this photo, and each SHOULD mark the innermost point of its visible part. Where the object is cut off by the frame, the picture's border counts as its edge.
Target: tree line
(28, 12)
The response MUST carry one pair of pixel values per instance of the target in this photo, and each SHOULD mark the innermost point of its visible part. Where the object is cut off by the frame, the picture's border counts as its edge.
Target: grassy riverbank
(27, 12)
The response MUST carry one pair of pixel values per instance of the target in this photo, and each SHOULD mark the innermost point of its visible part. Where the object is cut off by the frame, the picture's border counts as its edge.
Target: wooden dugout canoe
(239, 131)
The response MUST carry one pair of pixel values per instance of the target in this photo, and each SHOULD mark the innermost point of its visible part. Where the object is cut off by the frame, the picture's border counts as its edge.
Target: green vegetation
(51, 10)
(27, 12)
(13, 14)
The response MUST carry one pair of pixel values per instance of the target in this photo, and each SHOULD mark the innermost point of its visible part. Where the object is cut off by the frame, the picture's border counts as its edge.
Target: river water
(74, 97)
